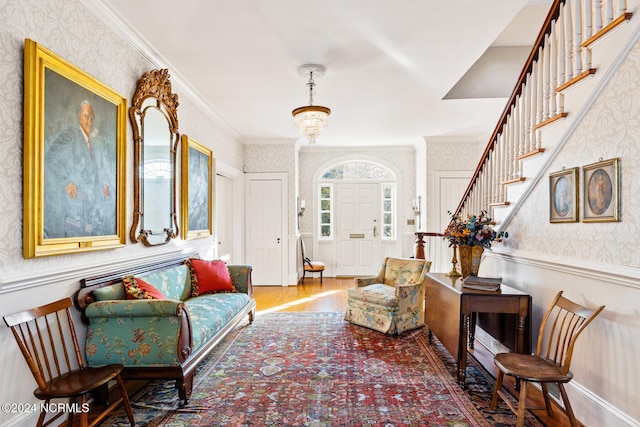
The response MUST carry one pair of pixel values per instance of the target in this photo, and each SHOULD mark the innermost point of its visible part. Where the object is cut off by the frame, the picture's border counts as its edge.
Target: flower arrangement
(476, 230)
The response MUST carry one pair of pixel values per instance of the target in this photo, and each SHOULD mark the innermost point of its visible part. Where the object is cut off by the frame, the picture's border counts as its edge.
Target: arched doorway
(357, 214)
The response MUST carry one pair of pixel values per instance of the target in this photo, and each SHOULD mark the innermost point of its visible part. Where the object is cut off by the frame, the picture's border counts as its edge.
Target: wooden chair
(310, 266)
(48, 342)
(561, 325)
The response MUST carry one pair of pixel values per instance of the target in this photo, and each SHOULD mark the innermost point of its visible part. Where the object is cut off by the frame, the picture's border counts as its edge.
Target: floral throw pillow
(209, 277)
(136, 288)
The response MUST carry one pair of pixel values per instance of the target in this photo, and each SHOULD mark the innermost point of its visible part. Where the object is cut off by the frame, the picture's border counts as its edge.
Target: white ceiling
(390, 64)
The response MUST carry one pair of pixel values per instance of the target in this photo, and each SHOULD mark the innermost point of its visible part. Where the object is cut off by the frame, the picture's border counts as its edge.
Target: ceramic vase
(469, 258)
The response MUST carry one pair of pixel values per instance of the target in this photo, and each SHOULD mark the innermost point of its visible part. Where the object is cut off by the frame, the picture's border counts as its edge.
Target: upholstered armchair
(393, 301)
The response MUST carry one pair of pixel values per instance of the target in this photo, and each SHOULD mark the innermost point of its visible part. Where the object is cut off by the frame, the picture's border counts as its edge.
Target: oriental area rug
(315, 369)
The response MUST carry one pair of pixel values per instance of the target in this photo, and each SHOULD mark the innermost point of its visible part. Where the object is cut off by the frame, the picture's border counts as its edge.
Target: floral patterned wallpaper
(611, 128)
(441, 156)
(72, 31)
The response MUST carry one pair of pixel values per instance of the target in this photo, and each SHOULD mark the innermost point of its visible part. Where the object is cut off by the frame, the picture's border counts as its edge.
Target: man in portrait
(78, 189)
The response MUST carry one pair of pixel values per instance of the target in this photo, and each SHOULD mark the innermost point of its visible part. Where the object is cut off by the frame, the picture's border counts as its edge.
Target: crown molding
(127, 32)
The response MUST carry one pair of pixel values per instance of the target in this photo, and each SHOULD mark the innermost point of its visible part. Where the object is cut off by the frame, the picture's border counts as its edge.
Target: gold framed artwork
(74, 158)
(601, 191)
(197, 189)
(563, 196)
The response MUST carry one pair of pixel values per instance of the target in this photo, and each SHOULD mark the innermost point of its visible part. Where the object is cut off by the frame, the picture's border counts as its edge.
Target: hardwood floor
(332, 296)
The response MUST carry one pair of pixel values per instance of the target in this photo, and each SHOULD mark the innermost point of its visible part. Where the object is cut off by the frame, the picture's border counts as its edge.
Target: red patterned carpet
(315, 369)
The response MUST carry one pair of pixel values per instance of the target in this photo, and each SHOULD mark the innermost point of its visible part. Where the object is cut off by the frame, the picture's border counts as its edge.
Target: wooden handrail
(528, 66)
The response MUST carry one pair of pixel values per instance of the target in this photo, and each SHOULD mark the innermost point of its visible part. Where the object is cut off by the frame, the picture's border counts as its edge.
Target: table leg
(462, 356)
(520, 330)
(472, 330)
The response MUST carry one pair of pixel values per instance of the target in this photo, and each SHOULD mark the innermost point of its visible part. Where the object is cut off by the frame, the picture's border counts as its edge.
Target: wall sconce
(301, 208)
(416, 206)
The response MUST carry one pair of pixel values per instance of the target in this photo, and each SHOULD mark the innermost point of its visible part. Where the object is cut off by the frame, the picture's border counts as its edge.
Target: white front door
(266, 225)
(224, 217)
(357, 229)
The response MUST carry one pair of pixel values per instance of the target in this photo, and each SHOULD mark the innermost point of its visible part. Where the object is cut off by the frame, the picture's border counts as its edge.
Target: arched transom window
(356, 170)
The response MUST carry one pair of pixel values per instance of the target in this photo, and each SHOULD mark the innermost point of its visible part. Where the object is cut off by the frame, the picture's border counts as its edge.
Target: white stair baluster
(597, 15)
(577, 38)
(553, 70)
(546, 88)
(568, 40)
(560, 47)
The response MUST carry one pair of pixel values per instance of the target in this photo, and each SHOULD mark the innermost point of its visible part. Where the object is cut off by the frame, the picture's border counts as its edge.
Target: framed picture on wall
(74, 158)
(197, 189)
(563, 196)
(601, 191)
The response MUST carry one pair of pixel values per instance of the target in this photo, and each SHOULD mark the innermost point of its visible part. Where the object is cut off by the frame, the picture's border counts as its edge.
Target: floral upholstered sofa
(393, 301)
(162, 320)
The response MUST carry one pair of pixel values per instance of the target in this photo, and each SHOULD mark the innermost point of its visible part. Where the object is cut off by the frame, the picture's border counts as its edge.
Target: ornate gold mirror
(154, 119)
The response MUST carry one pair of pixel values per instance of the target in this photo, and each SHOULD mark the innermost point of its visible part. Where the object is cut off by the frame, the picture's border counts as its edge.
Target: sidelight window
(326, 211)
(388, 211)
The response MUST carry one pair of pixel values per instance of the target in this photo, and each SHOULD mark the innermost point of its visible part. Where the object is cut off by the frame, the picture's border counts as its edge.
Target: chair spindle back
(561, 325)
(46, 337)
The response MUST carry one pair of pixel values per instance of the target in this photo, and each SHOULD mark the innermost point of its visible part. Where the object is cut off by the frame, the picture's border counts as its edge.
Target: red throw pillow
(211, 276)
(139, 289)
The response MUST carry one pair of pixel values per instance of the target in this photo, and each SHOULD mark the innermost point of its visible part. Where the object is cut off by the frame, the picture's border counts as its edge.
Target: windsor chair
(47, 339)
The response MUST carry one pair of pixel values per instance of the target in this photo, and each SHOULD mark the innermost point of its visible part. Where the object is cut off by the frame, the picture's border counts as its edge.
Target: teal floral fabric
(112, 292)
(391, 302)
(209, 313)
(133, 333)
(174, 282)
(145, 333)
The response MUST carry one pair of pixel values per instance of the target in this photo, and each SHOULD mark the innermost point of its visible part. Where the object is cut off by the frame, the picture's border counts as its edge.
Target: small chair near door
(393, 301)
(561, 325)
(310, 266)
(48, 342)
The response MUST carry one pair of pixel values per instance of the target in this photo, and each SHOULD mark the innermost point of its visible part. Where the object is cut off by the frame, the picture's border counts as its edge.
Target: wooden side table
(450, 308)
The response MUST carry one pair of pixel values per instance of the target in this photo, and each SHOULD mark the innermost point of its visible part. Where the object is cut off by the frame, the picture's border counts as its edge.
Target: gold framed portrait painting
(74, 158)
(197, 189)
(601, 191)
(563, 196)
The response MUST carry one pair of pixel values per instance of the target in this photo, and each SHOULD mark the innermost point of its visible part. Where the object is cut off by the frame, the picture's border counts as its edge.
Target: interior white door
(357, 229)
(450, 190)
(224, 217)
(265, 240)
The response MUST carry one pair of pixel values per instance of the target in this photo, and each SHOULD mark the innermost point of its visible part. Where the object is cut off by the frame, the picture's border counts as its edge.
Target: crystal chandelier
(311, 119)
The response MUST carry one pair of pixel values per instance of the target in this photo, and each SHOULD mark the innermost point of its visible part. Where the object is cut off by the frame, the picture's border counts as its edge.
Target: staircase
(580, 45)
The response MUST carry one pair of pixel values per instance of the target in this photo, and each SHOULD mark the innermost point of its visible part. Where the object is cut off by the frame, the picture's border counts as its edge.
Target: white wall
(72, 31)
